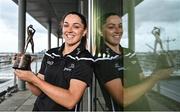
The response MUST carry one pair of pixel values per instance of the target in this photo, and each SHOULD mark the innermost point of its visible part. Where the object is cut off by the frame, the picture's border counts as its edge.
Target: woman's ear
(85, 32)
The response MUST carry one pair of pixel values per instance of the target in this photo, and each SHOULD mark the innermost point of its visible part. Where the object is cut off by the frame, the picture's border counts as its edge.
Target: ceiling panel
(52, 10)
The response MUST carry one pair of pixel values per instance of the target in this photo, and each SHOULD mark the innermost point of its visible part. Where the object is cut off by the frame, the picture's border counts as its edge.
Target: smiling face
(112, 30)
(73, 29)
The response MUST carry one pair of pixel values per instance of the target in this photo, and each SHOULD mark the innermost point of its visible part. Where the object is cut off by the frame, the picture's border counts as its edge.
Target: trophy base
(20, 68)
(23, 62)
(164, 61)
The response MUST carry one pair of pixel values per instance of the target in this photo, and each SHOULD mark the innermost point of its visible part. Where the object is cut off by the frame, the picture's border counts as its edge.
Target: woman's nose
(117, 30)
(69, 29)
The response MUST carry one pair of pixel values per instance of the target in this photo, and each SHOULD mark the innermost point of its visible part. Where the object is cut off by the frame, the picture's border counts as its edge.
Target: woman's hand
(24, 75)
(162, 74)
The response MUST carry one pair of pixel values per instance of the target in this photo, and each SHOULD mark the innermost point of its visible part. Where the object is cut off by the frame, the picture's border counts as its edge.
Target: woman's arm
(34, 89)
(129, 95)
(115, 88)
(65, 97)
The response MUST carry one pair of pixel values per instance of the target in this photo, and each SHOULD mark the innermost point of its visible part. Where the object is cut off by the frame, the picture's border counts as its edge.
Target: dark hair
(101, 21)
(104, 17)
(83, 20)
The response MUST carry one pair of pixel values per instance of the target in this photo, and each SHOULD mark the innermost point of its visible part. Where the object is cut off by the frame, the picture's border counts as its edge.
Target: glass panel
(103, 100)
(157, 47)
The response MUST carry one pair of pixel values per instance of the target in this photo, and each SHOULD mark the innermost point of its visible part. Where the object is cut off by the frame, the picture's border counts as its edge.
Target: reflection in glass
(118, 71)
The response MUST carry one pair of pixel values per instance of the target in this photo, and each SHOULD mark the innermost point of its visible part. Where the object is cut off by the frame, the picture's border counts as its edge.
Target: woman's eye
(65, 25)
(110, 27)
(76, 27)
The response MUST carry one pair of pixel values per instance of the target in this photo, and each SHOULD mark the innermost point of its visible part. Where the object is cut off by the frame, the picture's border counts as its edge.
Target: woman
(65, 72)
(118, 71)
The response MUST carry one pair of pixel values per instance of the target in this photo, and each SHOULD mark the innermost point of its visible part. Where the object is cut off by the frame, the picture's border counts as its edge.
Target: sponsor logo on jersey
(70, 67)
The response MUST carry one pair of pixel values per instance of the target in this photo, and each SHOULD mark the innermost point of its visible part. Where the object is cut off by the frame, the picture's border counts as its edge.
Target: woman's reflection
(118, 71)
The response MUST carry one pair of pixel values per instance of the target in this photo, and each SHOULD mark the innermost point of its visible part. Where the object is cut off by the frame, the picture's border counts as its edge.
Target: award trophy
(164, 61)
(23, 60)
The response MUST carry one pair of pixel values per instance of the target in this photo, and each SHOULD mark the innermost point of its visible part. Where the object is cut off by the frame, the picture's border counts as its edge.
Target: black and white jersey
(109, 65)
(59, 70)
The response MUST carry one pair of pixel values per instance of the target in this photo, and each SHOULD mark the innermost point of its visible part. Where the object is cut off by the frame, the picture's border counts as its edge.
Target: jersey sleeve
(106, 70)
(131, 62)
(133, 69)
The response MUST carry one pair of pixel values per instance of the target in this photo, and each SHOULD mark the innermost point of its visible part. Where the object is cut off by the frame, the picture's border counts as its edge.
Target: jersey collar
(107, 50)
(75, 52)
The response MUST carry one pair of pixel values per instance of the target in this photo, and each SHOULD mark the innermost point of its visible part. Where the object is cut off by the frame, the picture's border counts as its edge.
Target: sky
(161, 13)
(9, 29)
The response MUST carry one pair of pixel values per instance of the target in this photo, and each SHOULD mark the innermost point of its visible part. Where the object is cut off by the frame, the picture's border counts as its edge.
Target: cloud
(150, 13)
(9, 13)
(9, 29)
(158, 10)
(9, 16)
(8, 38)
(143, 35)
